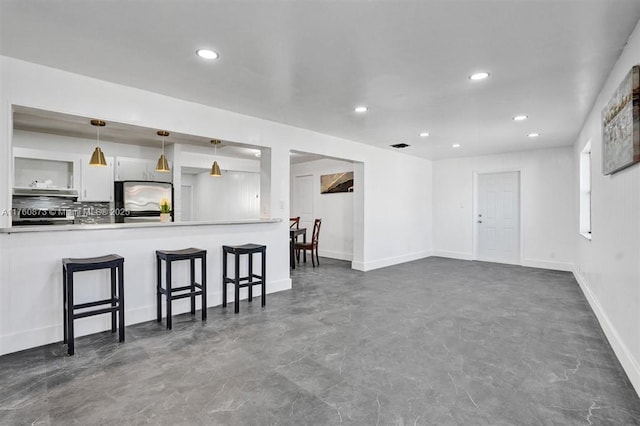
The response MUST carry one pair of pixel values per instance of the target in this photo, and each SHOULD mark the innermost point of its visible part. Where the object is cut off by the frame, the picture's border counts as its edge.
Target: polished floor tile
(431, 342)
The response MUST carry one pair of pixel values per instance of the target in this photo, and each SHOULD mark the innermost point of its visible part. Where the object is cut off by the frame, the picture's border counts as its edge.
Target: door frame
(474, 215)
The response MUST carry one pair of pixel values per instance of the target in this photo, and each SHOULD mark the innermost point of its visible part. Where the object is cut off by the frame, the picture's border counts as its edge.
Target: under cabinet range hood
(44, 192)
(43, 206)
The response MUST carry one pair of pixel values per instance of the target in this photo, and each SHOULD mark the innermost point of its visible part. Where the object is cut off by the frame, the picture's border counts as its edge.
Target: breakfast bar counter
(98, 226)
(31, 270)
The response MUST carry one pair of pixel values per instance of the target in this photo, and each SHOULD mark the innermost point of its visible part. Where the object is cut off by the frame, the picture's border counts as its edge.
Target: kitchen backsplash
(85, 212)
(93, 212)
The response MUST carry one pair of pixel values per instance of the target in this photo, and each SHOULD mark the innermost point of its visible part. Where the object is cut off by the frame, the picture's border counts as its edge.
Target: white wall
(608, 266)
(382, 236)
(546, 203)
(335, 210)
(234, 195)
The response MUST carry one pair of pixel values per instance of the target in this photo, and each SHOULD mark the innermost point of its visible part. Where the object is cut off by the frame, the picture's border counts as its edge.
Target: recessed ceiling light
(520, 117)
(455, 145)
(533, 135)
(207, 54)
(479, 75)
(424, 134)
(361, 109)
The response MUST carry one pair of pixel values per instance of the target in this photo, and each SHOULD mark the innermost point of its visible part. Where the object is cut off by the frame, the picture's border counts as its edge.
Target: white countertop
(93, 227)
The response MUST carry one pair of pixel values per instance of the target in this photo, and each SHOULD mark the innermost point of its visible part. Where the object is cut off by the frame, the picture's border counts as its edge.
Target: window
(585, 191)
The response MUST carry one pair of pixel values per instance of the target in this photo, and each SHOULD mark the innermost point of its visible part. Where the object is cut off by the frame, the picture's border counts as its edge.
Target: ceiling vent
(400, 145)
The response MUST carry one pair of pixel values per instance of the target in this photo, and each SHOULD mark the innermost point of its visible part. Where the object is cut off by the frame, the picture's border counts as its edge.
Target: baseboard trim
(621, 350)
(531, 263)
(335, 255)
(453, 254)
(27, 339)
(546, 264)
(390, 261)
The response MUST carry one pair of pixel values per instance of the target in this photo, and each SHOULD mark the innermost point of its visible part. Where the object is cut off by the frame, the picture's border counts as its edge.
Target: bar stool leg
(192, 270)
(237, 284)
(224, 278)
(64, 305)
(121, 300)
(158, 287)
(203, 263)
(250, 277)
(168, 292)
(113, 300)
(70, 336)
(264, 277)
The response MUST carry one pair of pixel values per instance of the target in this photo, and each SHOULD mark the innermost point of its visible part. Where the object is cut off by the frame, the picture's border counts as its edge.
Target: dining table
(293, 234)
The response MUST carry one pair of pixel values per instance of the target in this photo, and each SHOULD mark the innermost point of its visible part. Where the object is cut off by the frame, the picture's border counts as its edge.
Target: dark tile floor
(436, 341)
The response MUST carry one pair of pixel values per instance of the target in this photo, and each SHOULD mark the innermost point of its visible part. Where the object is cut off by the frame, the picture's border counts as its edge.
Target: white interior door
(498, 217)
(187, 202)
(303, 200)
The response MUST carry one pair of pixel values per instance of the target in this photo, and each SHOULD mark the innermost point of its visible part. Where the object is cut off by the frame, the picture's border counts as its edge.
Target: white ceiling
(308, 63)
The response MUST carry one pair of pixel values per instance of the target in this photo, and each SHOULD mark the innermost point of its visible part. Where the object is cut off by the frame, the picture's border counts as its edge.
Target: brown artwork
(337, 182)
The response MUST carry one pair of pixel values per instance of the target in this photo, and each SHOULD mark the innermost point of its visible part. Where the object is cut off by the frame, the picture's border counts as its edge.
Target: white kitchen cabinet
(130, 169)
(96, 183)
(139, 169)
(36, 164)
(158, 176)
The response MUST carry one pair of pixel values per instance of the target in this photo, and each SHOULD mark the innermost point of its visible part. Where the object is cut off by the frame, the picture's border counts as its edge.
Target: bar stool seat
(191, 290)
(247, 281)
(113, 262)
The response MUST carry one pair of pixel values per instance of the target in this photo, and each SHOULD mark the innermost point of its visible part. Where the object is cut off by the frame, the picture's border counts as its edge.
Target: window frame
(585, 167)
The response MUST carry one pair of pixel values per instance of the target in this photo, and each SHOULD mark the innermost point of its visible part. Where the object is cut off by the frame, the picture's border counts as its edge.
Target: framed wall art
(336, 182)
(621, 125)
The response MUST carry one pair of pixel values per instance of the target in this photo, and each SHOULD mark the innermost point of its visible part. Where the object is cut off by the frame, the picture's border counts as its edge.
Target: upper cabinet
(139, 169)
(38, 172)
(96, 182)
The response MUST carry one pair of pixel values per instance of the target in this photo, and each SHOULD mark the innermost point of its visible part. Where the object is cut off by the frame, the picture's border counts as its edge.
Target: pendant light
(163, 164)
(97, 158)
(215, 169)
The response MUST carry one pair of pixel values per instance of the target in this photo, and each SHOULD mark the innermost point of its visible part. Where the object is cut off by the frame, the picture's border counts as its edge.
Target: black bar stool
(192, 290)
(69, 266)
(239, 282)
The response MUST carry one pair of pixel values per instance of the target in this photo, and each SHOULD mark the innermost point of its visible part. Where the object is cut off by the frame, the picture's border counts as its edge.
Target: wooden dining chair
(310, 246)
(294, 221)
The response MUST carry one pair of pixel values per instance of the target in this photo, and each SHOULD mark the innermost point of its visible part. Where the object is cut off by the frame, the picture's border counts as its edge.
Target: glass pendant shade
(97, 158)
(163, 164)
(215, 169)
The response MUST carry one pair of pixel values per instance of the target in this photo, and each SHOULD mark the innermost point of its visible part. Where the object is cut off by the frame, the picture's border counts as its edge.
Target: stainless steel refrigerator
(139, 201)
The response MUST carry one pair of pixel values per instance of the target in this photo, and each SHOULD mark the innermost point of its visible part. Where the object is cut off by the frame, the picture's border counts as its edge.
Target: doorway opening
(340, 208)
